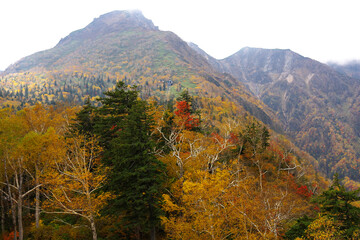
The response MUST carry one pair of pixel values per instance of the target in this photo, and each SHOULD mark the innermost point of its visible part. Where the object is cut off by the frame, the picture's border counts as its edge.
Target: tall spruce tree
(114, 107)
(136, 177)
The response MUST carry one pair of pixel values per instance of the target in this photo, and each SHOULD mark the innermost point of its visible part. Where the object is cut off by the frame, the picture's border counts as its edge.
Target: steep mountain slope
(123, 45)
(318, 106)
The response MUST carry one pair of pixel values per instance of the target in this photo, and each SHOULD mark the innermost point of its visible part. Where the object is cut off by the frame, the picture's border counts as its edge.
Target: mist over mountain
(351, 68)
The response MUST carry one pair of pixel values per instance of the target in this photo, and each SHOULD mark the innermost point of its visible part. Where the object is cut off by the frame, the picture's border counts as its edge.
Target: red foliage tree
(184, 112)
(304, 191)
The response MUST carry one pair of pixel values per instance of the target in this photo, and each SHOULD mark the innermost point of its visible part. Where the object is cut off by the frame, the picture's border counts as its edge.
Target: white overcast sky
(325, 30)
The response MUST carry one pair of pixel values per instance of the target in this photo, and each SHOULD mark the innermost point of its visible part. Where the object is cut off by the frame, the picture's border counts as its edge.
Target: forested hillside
(140, 170)
(123, 131)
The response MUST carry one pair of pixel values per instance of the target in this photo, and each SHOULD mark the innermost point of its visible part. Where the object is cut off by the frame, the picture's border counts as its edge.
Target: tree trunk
(20, 205)
(2, 215)
(37, 198)
(13, 213)
(12, 205)
(93, 228)
(37, 207)
(21, 230)
(153, 233)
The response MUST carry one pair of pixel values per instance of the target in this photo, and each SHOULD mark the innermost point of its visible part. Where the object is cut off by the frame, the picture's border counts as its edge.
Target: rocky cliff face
(261, 68)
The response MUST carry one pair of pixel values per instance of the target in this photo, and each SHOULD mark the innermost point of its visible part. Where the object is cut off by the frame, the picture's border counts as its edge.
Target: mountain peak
(278, 60)
(265, 51)
(115, 21)
(132, 16)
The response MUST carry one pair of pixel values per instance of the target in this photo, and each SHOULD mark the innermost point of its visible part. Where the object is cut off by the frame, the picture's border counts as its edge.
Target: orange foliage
(11, 236)
(183, 111)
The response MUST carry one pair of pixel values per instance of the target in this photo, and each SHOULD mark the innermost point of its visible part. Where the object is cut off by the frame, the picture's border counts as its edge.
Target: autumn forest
(123, 131)
(131, 169)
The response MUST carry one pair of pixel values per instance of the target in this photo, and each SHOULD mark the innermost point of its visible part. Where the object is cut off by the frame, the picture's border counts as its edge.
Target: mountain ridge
(125, 44)
(112, 22)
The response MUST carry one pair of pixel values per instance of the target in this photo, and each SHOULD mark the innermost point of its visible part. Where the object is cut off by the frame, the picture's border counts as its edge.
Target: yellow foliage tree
(323, 228)
(73, 182)
(201, 211)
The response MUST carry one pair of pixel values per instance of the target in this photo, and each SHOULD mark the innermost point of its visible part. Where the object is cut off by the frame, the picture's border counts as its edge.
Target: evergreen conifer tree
(137, 176)
(115, 106)
(85, 120)
(336, 202)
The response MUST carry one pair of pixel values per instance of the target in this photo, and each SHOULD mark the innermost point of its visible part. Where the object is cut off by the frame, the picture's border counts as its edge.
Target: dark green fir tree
(85, 120)
(137, 176)
(114, 107)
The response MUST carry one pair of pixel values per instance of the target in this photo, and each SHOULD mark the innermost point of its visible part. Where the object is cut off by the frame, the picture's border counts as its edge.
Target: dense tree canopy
(131, 169)
(338, 216)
